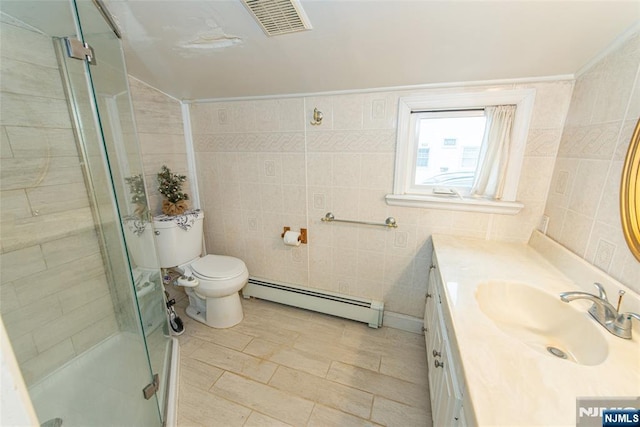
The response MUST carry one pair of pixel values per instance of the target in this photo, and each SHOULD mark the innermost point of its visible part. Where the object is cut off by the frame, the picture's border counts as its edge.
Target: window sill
(454, 204)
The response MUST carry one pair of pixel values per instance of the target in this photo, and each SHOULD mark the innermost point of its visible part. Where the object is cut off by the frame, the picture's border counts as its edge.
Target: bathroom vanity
(503, 349)
(446, 379)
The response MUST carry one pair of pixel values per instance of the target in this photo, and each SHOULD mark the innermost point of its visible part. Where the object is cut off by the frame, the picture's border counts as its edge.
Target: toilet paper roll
(291, 238)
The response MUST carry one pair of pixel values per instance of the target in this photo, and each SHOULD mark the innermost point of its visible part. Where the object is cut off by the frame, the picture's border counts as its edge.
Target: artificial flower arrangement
(170, 186)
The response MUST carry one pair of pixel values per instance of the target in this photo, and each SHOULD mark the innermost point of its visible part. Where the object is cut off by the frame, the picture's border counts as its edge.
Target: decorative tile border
(379, 141)
(590, 142)
(352, 141)
(543, 142)
(251, 142)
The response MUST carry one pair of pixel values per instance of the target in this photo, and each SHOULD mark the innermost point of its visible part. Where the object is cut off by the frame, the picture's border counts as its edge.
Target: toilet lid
(218, 267)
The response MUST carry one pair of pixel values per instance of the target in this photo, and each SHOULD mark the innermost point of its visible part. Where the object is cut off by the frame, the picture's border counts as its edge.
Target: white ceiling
(202, 49)
(215, 49)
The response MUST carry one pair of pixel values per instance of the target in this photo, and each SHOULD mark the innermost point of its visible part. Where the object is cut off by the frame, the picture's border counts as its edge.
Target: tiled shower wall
(161, 137)
(54, 300)
(261, 166)
(583, 203)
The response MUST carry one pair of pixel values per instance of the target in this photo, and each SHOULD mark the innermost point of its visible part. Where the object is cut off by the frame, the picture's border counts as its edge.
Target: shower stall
(82, 299)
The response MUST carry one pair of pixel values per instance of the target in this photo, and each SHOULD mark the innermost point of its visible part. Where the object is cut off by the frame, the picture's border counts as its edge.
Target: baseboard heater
(362, 310)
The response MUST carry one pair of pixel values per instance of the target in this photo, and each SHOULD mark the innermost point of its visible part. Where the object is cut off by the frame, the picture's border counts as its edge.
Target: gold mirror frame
(630, 194)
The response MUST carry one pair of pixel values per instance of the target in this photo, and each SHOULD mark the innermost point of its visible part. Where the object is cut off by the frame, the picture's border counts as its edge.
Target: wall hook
(317, 117)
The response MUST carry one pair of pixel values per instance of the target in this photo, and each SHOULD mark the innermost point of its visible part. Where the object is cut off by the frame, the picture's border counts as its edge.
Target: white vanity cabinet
(494, 376)
(444, 386)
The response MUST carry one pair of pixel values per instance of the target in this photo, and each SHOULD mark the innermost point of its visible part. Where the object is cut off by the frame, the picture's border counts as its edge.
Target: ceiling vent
(279, 16)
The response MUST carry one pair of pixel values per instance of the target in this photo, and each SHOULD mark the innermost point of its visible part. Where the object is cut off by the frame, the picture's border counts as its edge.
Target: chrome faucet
(619, 324)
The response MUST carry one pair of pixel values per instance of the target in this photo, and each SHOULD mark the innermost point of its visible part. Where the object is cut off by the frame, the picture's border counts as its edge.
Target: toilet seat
(218, 267)
(218, 277)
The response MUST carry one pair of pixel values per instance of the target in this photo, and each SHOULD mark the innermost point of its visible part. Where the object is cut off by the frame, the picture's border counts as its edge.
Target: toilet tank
(139, 238)
(178, 238)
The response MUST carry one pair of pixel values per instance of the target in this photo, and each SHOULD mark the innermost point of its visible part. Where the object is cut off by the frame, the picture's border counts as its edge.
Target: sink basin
(543, 322)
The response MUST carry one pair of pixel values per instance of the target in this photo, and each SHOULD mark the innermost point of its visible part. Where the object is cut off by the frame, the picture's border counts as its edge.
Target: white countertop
(508, 382)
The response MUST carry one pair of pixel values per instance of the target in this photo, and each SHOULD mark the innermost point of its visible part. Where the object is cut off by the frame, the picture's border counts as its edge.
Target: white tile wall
(262, 166)
(583, 203)
(255, 163)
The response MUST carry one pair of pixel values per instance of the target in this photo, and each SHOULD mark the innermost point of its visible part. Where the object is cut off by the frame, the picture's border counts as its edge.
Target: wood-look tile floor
(286, 366)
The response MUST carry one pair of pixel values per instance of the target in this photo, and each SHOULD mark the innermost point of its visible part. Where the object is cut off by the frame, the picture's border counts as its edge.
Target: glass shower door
(119, 153)
(85, 319)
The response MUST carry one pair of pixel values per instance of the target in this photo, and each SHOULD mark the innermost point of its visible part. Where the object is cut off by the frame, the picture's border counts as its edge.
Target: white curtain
(494, 153)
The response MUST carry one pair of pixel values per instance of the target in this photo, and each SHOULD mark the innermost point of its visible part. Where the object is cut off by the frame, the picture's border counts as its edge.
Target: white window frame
(403, 195)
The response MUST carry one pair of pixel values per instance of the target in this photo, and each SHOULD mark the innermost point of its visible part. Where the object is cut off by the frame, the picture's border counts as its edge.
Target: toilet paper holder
(302, 238)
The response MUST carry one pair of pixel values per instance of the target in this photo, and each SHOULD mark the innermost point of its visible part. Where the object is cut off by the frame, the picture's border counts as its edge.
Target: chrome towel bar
(389, 222)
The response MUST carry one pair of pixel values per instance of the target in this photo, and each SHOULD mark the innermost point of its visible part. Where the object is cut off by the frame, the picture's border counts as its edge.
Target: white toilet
(212, 282)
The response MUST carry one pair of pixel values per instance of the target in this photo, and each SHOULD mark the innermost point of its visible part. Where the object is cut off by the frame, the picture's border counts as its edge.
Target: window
(452, 127)
(470, 157)
(449, 142)
(445, 169)
(422, 158)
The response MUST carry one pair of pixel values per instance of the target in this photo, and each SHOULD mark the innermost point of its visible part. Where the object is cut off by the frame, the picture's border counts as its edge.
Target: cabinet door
(433, 338)
(449, 399)
(430, 309)
(446, 399)
(430, 302)
(444, 389)
(434, 360)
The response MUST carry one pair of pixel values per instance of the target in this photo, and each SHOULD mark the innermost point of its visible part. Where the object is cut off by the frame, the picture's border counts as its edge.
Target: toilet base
(223, 312)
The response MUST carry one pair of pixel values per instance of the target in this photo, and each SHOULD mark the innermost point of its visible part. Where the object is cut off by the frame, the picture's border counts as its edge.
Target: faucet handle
(601, 292)
(628, 316)
(622, 325)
